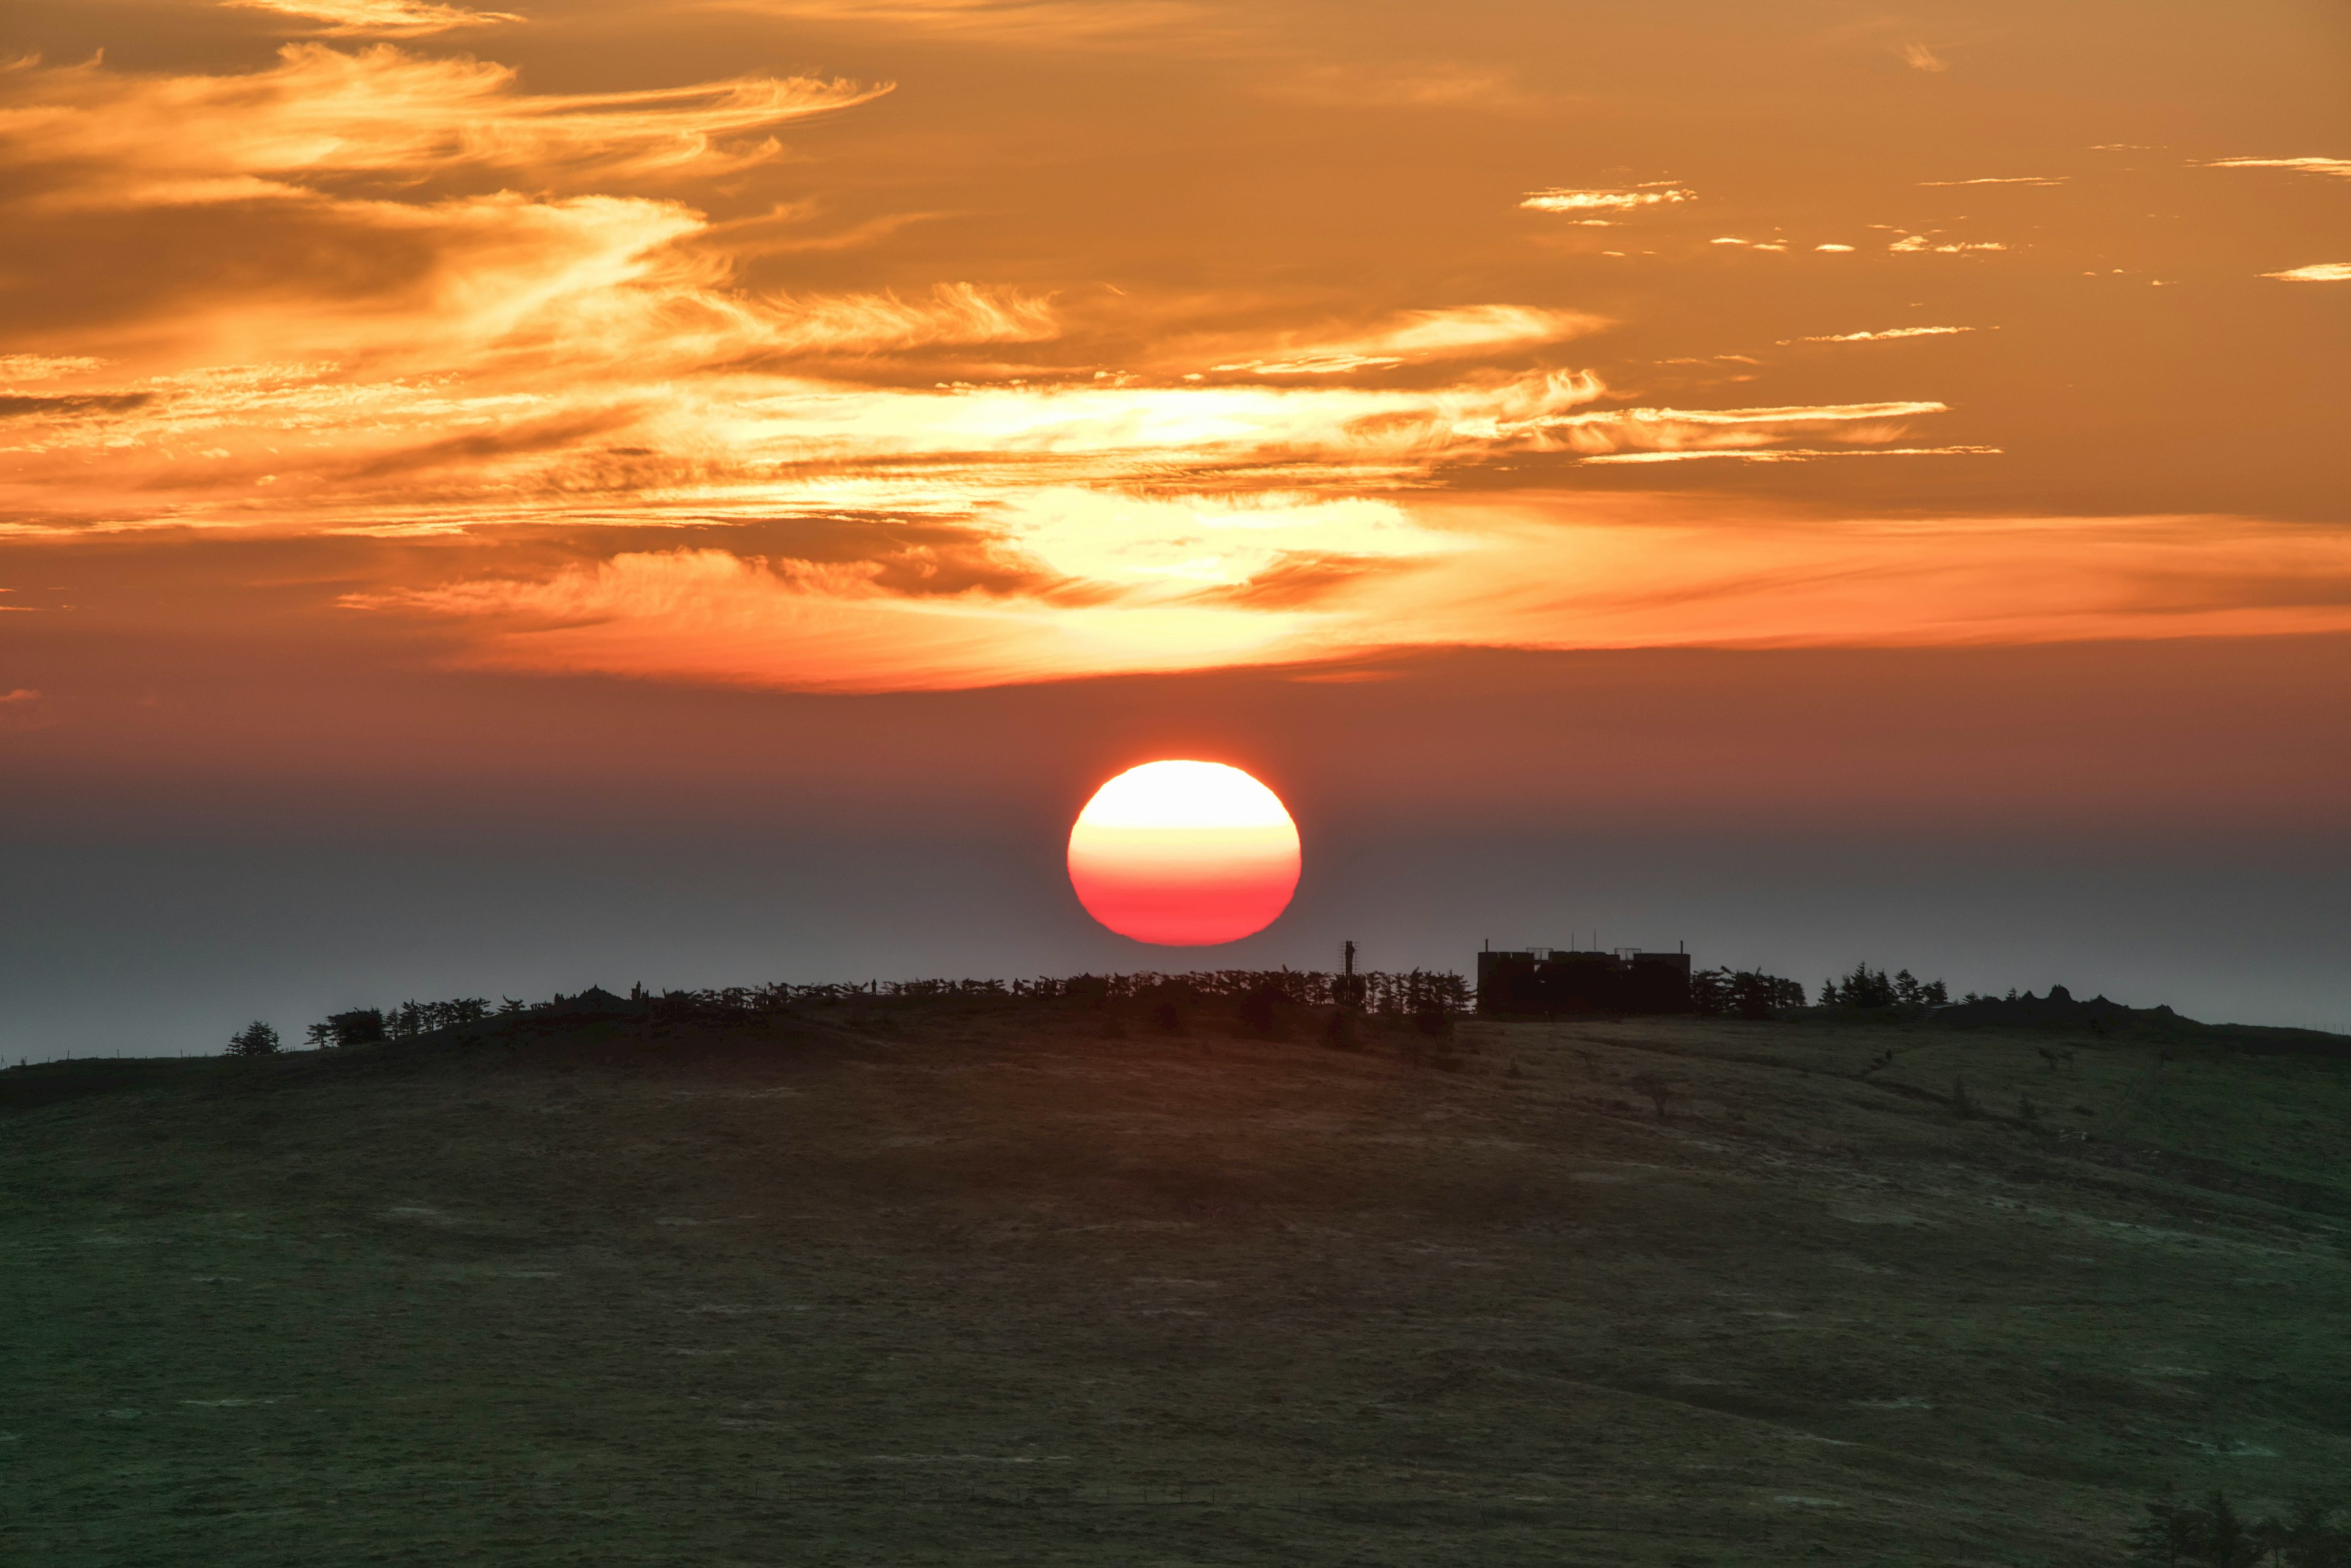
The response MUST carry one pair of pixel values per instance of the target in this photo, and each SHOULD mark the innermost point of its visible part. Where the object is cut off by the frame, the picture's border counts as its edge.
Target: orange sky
(356, 353)
(866, 347)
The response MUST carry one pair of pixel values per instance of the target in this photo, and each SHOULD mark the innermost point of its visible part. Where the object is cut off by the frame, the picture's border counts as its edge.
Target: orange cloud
(88, 137)
(1558, 198)
(1410, 86)
(1414, 336)
(1042, 24)
(378, 18)
(1880, 337)
(2337, 167)
(1119, 583)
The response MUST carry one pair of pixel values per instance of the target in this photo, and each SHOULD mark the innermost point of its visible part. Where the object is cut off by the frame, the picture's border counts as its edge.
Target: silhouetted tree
(256, 1039)
(1742, 993)
(1868, 988)
(358, 1026)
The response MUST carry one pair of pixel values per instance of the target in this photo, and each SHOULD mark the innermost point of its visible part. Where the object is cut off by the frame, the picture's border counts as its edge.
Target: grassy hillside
(951, 1284)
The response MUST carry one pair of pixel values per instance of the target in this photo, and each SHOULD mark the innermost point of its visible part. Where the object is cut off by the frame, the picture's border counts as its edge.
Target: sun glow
(1184, 854)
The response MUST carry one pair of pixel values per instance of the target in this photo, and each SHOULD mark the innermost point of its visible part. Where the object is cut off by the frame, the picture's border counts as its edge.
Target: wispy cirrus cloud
(1418, 85)
(1045, 23)
(1418, 336)
(1921, 244)
(1150, 584)
(378, 18)
(1603, 431)
(2317, 272)
(1792, 454)
(85, 136)
(380, 293)
(2334, 168)
(1561, 199)
(2003, 180)
(1881, 336)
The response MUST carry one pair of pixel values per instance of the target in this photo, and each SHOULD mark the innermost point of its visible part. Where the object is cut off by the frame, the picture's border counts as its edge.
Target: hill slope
(996, 1283)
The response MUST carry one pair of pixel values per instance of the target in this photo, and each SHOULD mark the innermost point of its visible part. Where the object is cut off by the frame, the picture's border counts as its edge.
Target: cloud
(1913, 245)
(1919, 57)
(378, 18)
(2338, 168)
(2317, 272)
(20, 695)
(1794, 454)
(1034, 23)
(2005, 179)
(320, 118)
(1106, 582)
(1678, 429)
(16, 368)
(1558, 198)
(1880, 337)
(1463, 331)
(372, 293)
(1418, 85)
(1832, 248)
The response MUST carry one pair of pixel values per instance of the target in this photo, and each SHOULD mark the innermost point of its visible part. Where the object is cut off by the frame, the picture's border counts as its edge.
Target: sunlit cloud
(1880, 337)
(378, 18)
(1415, 336)
(1413, 86)
(2317, 272)
(93, 138)
(1919, 57)
(1558, 198)
(1132, 590)
(2004, 180)
(375, 294)
(2338, 168)
(1608, 431)
(1914, 244)
(26, 368)
(1045, 23)
(1793, 454)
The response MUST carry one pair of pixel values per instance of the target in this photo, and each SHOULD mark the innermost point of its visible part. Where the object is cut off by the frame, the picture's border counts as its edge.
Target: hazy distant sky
(492, 493)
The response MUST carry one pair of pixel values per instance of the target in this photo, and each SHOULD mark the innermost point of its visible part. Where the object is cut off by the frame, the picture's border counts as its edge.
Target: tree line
(1868, 988)
(1416, 993)
(1743, 994)
(1413, 993)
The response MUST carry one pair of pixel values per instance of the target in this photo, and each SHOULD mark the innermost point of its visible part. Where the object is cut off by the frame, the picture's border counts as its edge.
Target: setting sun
(1184, 854)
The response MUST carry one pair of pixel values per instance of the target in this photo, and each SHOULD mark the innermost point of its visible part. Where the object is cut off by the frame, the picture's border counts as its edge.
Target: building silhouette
(1571, 981)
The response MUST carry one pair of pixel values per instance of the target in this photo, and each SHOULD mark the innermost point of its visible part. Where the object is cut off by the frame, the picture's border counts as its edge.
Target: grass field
(982, 1283)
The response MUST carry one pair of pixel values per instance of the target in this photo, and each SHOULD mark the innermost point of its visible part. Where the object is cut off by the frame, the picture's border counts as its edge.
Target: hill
(1012, 1281)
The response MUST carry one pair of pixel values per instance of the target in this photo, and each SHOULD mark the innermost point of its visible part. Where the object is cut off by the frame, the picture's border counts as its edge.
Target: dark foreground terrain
(1023, 1283)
